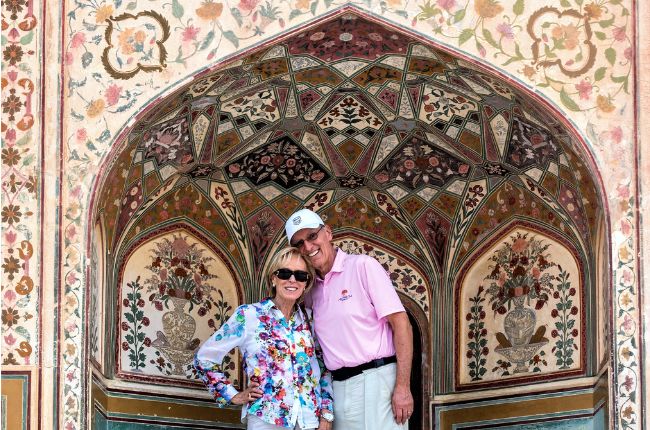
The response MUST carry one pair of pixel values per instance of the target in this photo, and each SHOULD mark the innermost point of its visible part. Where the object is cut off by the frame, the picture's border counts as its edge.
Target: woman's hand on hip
(324, 424)
(250, 394)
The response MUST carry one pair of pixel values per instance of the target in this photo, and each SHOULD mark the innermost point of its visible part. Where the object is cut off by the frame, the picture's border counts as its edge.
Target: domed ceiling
(403, 143)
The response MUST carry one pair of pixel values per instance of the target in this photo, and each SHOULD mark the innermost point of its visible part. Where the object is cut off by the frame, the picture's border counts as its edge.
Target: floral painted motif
(282, 162)
(477, 347)
(566, 327)
(418, 162)
(179, 270)
(135, 339)
(536, 324)
(135, 43)
(530, 144)
(347, 37)
(169, 143)
(280, 355)
(443, 105)
(258, 105)
(350, 112)
(165, 309)
(520, 269)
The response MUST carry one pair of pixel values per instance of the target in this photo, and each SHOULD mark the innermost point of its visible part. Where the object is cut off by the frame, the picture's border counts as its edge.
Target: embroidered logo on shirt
(344, 295)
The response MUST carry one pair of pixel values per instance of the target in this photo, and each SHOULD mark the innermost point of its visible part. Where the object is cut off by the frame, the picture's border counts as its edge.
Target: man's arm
(402, 400)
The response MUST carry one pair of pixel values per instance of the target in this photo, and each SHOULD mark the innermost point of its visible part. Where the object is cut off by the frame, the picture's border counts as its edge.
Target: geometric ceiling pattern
(405, 141)
(402, 144)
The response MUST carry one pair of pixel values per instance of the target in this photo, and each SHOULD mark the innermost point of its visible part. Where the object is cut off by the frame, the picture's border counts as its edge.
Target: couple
(358, 323)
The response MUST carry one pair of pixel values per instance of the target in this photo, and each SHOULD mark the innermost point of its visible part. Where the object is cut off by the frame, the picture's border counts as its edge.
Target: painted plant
(535, 327)
(520, 271)
(178, 271)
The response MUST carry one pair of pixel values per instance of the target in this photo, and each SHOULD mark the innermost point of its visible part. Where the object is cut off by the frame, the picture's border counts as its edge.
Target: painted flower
(209, 10)
(302, 4)
(346, 37)
(529, 72)
(629, 53)
(131, 41)
(604, 104)
(12, 54)
(446, 4)
(9, 297)
(317, 36)
(614, 134)
(584, 89)
(569, 34)
(189, 33)
(95, 108)
(78, 39)
(103, 13)
(11, 105)
(11, 214)
(11, 266)
(82, 135)
(10, 156)
(247, 6)
(14, 6)
(619, 33)
(487, 8)
(10, 317)
(505, 30)
(113, 94)
(593, 11)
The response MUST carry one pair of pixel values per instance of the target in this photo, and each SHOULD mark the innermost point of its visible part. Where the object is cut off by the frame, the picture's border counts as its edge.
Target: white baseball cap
(304, 218)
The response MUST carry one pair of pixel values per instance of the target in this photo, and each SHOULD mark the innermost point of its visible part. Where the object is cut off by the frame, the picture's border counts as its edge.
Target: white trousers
(255, 423)
(363, 402)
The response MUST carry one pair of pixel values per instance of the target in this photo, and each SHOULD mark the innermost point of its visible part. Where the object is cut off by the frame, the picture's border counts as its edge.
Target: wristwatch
(327, 416)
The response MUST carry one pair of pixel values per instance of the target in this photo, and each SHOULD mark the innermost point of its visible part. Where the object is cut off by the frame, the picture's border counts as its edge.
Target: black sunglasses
(284, 274)
(310, 238)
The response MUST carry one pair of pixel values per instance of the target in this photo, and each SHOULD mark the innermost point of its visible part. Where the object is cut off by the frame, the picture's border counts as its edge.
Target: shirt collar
(339, 261)
(268, 304)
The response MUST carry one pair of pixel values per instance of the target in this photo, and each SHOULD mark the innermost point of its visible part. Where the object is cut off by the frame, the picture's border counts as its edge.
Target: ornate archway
(387, 137)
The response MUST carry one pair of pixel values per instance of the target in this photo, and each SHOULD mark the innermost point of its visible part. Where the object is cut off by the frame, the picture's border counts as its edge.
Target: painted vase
(519, 323)
(179, 329)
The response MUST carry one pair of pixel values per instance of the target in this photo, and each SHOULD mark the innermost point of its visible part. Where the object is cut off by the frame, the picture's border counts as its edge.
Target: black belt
(348, 372)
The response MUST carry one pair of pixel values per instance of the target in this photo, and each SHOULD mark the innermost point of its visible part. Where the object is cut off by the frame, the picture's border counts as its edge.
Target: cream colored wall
(65, 161)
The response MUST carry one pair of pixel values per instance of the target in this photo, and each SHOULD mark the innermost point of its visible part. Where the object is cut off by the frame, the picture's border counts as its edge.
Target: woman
(289, 386)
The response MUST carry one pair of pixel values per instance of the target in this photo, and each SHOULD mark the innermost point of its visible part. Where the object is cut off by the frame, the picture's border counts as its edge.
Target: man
(362, 328)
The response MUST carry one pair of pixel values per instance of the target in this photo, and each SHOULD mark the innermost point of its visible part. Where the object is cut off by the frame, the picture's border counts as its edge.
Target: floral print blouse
(280, 354)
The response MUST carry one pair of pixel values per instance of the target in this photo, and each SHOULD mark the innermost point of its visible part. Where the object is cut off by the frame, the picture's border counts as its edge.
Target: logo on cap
(297, 220)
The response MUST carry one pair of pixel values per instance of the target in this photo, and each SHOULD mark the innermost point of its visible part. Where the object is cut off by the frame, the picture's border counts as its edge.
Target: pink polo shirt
(350, 306)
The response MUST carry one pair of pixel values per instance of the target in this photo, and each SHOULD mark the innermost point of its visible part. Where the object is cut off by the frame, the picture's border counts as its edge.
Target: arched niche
(278, 102)
(520, 311)
(174, 290)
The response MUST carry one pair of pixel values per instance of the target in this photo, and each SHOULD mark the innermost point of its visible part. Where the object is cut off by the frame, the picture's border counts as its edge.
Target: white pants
(363, 402)
(255, 423)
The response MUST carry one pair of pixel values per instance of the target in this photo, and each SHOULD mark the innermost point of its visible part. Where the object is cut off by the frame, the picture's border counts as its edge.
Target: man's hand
(402, 400)
(402, 404)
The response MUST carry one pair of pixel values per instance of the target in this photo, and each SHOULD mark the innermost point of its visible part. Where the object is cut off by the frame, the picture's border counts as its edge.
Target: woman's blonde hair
(278, 262)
